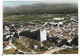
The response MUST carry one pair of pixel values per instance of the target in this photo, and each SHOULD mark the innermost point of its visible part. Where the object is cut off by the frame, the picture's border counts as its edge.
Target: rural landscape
(40, 28)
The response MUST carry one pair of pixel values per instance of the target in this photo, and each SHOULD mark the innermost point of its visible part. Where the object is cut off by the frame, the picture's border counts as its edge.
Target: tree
(47, 43)
(63, 42)
(74, 42)
(21, 53)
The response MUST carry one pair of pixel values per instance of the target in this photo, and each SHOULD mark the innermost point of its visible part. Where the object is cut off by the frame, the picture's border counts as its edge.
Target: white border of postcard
(1, 32)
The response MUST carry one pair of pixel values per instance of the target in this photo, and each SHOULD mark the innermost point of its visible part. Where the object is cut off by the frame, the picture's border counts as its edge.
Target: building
(58, 18)
(41, 35)
(7, 47)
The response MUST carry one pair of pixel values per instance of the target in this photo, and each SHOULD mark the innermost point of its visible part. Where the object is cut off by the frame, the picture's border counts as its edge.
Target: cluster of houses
(64, 30)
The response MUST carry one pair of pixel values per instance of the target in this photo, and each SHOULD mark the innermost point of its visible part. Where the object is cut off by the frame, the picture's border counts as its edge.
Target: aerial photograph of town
(40, 27)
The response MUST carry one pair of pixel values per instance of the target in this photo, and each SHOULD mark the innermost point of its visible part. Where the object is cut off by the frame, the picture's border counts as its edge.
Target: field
(27, 45)
(34, 19)
(10, 51)
(69, 51)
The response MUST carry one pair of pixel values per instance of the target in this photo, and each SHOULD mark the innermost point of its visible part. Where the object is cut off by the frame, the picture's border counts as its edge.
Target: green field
(36, 19)
(69, 51)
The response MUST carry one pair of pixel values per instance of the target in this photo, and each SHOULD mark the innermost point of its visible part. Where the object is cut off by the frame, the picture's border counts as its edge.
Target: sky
(18, 3)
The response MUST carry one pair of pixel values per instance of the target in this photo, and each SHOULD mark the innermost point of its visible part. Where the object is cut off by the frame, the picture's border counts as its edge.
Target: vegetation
(69, 51)
(25, 44)
(47, 43)
(20, 44)
(63, 42)
(36, 19)
(37, 14)
(10, 51)
(74, 42)
(29, 34)
(38, 9)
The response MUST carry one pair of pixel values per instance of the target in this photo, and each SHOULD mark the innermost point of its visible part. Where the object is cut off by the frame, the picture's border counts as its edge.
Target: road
(56, 49)
(47, 52)
(18, 49)
(12, 44)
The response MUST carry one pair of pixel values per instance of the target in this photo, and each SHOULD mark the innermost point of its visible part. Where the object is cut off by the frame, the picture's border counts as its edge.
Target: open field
(10, 51)
(34, 19)
(69, 51)
(27, 45)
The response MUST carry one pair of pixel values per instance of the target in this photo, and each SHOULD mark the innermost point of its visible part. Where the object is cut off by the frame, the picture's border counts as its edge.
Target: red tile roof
(7, 43)
(42, 52)
(53, 32)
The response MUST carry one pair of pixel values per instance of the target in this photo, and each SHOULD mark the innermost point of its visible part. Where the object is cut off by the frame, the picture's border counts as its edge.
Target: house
(6, 43)
(8, 47)
(58, 18)
(42, 52)
(69, 40)
(8, 36)
(60, 23)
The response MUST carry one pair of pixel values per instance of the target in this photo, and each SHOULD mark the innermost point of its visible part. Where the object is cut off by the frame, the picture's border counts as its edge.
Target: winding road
(54, 50)
(47, 52)
(18, 49)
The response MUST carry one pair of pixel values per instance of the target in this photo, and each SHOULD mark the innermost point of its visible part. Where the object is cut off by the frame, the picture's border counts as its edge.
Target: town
(41, 38)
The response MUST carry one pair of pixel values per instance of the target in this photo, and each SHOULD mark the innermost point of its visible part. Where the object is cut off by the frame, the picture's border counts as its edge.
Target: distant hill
(41, 9)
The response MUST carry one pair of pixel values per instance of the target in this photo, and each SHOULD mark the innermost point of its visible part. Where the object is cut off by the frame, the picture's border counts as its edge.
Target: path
(55, 50)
